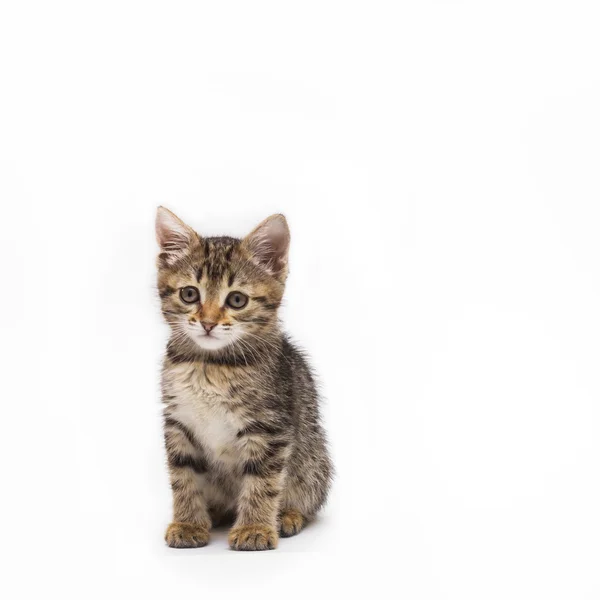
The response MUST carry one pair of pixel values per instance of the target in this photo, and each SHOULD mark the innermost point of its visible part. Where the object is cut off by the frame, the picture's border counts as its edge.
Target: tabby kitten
(241, 419)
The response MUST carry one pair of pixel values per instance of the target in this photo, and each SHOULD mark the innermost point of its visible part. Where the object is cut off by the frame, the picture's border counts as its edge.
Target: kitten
(242, 430)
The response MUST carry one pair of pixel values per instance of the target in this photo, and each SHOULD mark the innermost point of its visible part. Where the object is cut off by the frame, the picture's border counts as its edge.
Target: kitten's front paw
(187, 535)
(253, 537)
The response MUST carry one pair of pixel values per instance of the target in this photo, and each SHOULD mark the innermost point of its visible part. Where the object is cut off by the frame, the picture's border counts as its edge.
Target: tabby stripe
(181, 461)
(229, 361)
(261, 320)
(262, 469)
(170, 422)
(176, 485)
(271, 461)
(273, 449)
(259, 428)
(166, 292)
(264, 301)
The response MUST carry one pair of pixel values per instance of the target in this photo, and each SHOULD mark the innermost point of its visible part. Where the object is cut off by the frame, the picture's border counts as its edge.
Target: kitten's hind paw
(292, 522)
(253, 537)
(187, 535)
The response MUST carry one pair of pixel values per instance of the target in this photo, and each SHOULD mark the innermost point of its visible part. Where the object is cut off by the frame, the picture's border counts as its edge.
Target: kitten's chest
(208, 411)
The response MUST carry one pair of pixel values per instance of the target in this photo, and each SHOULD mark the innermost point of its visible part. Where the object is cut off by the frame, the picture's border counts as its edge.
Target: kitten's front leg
(256, 526)
(187, 467)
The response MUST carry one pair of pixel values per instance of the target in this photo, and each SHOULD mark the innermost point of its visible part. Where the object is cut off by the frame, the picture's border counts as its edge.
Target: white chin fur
(210, 342)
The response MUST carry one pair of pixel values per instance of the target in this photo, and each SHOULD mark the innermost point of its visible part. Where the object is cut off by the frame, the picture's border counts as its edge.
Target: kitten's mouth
(208, 341)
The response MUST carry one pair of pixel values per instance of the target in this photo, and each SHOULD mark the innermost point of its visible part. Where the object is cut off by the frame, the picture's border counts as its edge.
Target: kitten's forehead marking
(218, 254)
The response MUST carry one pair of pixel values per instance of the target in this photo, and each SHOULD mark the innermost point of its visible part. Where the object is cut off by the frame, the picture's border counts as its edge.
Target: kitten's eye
(237, 300)
(189, 294)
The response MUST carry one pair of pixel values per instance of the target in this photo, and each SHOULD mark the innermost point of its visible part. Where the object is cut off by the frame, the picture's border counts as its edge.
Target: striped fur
(241, 419)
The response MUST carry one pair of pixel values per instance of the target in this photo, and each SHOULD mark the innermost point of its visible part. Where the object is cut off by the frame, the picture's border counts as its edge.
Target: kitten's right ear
(173, 236)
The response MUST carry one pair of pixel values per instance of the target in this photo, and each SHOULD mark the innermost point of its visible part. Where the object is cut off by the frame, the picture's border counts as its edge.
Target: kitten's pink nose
(208, 325)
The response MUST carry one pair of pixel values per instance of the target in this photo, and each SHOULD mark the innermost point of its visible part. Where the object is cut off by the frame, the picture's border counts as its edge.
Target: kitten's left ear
(268, 244)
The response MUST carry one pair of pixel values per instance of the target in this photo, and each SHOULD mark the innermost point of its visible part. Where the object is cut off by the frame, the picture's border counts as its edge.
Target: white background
(438, 165)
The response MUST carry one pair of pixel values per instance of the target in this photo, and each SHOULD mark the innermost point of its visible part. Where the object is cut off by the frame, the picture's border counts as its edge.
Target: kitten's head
(219, 293)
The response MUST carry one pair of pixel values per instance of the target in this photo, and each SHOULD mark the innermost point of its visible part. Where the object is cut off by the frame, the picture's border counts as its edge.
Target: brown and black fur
(242, 428)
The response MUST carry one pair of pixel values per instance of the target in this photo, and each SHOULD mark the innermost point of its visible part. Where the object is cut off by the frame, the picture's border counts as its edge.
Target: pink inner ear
(269, 245)
(171, 233)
